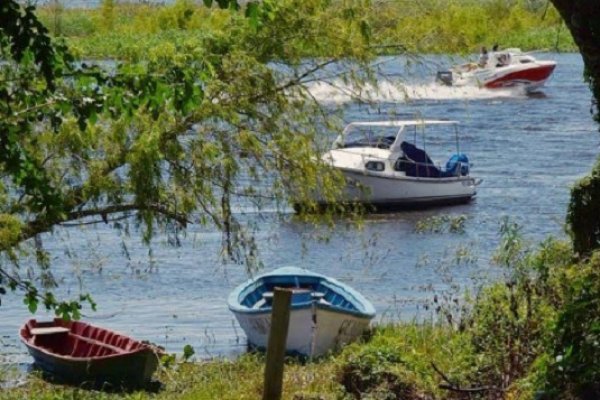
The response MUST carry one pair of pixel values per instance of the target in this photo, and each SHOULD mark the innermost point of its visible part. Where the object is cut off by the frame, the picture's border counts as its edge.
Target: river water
(528, 149)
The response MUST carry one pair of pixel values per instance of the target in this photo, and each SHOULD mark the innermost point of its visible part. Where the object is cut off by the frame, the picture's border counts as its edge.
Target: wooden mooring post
(280, 320)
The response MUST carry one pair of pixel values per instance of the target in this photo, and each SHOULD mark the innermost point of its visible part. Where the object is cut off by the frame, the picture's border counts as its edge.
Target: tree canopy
(181, 136)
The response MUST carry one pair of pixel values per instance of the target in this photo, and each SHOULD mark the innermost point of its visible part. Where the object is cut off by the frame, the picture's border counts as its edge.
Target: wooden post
(280, 320)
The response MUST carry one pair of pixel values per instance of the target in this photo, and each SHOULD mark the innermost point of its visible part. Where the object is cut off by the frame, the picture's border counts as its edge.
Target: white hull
(399, 189)
(530, 77)
(518, 70)
(331, 330)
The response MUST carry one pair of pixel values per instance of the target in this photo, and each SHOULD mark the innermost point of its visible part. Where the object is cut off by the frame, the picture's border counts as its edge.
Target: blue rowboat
(325, 313)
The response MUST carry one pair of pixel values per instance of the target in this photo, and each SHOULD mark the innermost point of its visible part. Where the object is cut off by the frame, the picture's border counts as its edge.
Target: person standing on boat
(483, 57)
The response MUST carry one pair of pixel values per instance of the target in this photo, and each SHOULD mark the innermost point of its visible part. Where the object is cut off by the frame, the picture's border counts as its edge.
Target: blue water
(528, 149)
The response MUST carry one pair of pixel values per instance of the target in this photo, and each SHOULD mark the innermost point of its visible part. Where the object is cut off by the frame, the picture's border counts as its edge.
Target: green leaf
(252, 9)
(208, 3)
(365, 29)
(32, 305)
(188, 352)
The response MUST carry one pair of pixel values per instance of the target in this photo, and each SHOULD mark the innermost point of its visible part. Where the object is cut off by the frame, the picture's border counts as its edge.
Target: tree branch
(455, 387)
(42, 225)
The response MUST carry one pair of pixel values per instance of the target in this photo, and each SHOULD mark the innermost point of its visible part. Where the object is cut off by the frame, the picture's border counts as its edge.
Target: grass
(397, 358)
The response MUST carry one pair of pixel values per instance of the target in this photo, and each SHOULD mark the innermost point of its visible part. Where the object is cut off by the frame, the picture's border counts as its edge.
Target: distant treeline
(127, 29)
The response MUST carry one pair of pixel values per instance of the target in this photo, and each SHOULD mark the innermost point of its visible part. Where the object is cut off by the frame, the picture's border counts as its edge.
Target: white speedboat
(385, 164)
(505, 68)
(325, 313)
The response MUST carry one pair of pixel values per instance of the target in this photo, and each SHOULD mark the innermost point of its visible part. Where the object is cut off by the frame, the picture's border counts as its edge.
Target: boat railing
(299, 296)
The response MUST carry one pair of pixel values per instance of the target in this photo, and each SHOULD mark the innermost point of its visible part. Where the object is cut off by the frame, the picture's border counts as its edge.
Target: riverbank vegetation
(532, 335)
(133, 31)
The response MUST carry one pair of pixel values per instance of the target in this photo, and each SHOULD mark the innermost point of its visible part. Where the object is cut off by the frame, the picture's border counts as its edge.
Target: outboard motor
(444, 77)
(459, 160)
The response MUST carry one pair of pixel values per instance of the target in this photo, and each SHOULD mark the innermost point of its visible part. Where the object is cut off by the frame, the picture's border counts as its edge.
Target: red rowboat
(77, 352)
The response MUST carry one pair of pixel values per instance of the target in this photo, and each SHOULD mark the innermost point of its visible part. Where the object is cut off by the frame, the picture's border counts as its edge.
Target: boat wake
(340, 93)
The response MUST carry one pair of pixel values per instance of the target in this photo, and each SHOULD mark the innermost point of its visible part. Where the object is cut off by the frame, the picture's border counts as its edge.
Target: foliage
(574, 367)
(511, 322)
(399, 361)
(184, 134)
(461, 26)
(29, 84)
(449, 26)
(583, 212)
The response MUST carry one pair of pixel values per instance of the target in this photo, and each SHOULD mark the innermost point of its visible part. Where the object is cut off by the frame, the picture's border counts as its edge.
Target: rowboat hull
(311, 332)
(76, 352)
(325, 314)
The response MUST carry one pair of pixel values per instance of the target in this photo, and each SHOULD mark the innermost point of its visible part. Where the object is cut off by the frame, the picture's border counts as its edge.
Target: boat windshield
(381, 137)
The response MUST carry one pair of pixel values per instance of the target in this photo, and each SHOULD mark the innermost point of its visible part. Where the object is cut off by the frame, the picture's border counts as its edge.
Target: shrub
(583, 215)
(574, 370)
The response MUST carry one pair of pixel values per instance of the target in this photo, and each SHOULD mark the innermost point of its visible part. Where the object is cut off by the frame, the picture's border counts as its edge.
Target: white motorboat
(384, 167)
(505, 68)
(325, 313)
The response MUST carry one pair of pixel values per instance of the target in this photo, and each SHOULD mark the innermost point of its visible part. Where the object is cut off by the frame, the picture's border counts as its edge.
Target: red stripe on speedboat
(532, 75)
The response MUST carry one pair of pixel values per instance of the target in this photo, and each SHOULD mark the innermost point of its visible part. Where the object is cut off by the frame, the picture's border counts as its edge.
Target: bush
(583, 215)
(574, 370)
(399, 362)
(511, 323)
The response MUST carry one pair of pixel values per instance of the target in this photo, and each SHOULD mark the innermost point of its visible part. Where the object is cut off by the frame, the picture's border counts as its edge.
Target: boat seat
(298, 294)
(50, 330)
(93, 344)
(416, 162)
(259, 304)
(267, 295)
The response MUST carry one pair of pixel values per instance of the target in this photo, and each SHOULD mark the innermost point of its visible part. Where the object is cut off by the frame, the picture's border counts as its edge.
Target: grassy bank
(134, 31)
(395, 360)
(534, 335)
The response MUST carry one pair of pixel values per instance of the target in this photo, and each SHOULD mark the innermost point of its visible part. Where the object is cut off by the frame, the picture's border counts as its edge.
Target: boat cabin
(402, 146)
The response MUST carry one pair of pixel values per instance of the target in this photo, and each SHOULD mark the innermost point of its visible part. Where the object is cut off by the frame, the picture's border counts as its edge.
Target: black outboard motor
(444, 77)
